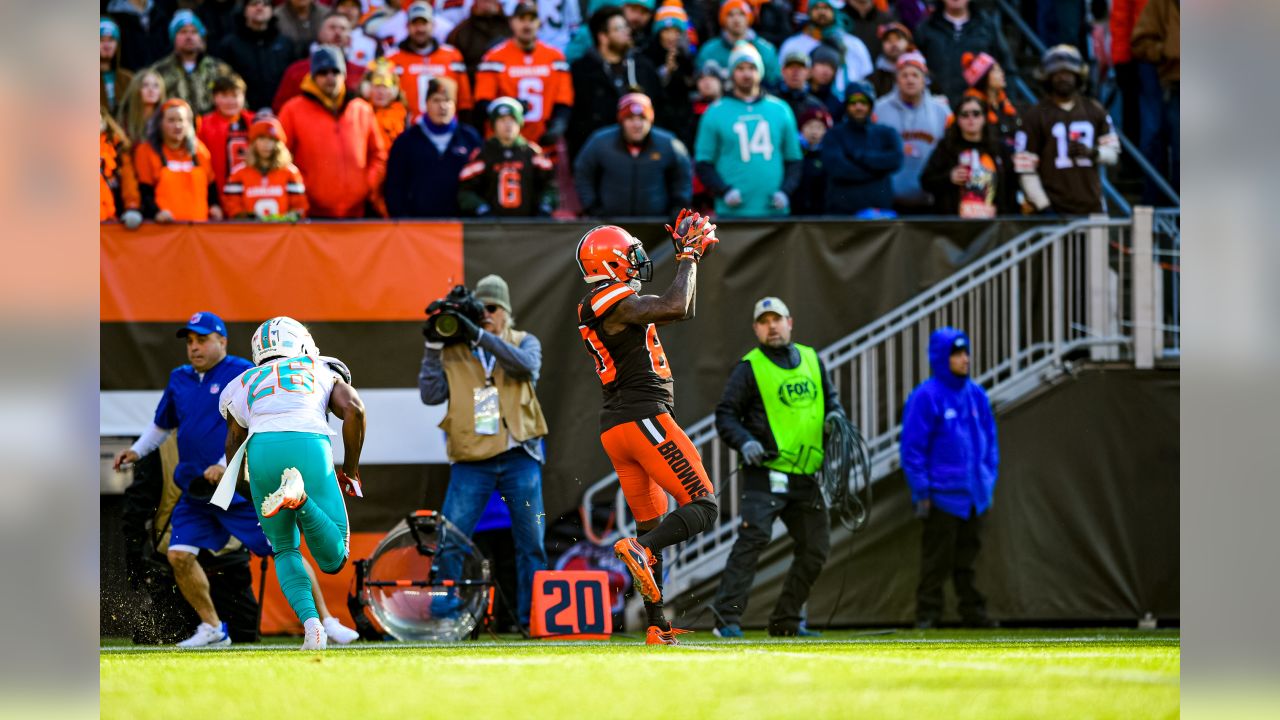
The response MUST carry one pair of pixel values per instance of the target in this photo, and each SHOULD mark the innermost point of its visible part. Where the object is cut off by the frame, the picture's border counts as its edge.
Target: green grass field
(905, 674)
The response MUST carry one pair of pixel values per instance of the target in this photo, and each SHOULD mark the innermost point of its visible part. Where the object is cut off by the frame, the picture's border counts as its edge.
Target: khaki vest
(517, 403)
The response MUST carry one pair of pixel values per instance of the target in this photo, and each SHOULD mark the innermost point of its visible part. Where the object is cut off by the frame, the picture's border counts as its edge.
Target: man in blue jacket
(633, 168)
(426, 159)
(860, 157)
(950, 458)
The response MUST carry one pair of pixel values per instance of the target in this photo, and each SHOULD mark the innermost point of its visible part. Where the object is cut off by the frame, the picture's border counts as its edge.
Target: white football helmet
(282, 337)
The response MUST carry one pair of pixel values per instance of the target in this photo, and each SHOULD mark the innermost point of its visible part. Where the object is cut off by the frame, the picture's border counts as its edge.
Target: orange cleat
(658, 636)
(638, 558)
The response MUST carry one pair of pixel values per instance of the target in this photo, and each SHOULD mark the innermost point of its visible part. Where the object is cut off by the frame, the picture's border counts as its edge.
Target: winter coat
(1157, 39)
(291, 83)
(144, 34)
(612, 182)
(860, 159)
(673, 105)
(301, 31)
(936, 177)
(811, 197)
(942, 45)
(340, 152)
(195, 87)
(260, 57)
(867, 27)
(949, 451)
(596, 90)
(422, 181)
(476, 35)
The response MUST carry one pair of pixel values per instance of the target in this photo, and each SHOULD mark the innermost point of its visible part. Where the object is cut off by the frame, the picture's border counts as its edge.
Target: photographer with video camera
(486, 370)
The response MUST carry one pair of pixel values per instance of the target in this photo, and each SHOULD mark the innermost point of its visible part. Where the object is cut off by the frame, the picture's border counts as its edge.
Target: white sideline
(711, 644)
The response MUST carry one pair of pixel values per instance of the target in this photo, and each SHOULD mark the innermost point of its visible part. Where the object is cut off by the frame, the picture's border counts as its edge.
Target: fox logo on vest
(799, 392)
(683, 470)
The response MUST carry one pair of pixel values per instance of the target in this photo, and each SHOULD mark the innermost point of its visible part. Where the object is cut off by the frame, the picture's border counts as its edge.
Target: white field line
(1130, 676)
(690, 644)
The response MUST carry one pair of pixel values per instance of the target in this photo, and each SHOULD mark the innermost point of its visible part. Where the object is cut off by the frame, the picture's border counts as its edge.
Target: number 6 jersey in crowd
(540, 79)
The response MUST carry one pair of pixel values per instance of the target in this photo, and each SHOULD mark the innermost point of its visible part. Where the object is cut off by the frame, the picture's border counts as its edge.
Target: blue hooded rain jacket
(948, 449)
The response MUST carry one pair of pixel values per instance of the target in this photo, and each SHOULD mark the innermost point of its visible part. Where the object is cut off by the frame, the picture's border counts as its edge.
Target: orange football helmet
(607, 252)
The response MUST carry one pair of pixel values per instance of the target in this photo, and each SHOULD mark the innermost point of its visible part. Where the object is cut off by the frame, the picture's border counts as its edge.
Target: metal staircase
(1098, 289)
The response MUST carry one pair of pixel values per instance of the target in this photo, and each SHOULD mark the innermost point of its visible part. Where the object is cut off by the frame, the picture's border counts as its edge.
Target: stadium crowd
(278, 110)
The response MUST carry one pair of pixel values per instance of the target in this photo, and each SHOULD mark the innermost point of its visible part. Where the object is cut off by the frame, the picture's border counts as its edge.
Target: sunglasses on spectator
(971, 114)
(492, 308)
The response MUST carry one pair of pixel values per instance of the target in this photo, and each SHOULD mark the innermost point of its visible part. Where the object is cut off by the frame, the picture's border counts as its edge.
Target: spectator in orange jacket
(336, 31)
(225, 131)
(175, 174)
(382, 88)
(334, 138)
(267, 185)
(118, 185)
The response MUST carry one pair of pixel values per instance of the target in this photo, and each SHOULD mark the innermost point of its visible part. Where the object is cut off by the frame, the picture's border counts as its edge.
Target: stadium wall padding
(362, 287)
(1084, 525)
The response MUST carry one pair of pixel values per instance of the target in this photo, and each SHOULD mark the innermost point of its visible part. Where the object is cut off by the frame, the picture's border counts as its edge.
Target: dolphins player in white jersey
(277, 421)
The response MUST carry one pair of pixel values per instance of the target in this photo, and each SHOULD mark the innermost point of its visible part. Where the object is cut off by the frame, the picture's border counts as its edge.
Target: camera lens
(447, 325)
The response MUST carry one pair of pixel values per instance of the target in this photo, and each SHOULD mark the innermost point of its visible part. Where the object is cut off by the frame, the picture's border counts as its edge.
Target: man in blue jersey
(747, 152)
(190, 405)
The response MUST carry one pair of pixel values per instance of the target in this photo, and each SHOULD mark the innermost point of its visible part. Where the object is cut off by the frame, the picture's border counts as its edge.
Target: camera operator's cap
(769, 305)
(420, 11)
(203, 323)
(492, 290)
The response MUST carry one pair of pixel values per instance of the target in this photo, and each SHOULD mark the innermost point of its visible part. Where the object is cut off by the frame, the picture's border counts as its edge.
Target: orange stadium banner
(251, 271)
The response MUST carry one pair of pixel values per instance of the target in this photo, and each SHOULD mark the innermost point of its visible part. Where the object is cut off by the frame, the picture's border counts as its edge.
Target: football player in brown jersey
(652, 455)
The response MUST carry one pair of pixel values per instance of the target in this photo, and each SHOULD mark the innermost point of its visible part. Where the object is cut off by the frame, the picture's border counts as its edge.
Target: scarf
(333, 105)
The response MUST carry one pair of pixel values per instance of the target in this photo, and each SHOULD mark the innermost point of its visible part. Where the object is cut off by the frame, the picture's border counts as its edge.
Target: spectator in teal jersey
(748, 148)
(736, 19)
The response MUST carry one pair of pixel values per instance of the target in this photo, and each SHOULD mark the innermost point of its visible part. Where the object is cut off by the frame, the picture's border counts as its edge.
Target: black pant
(806, 522)
(949, 547)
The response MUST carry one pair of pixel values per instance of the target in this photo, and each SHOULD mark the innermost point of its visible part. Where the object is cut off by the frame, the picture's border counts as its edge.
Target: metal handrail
(1126, 144)
(1047, 295)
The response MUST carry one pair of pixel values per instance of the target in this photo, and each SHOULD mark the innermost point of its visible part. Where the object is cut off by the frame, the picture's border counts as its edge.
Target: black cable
(846, 487)
(846, 474)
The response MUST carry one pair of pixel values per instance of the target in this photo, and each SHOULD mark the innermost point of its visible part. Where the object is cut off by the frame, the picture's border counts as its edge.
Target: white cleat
(338, 632)
(208, 636)
(290, 495)
(313, 635)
